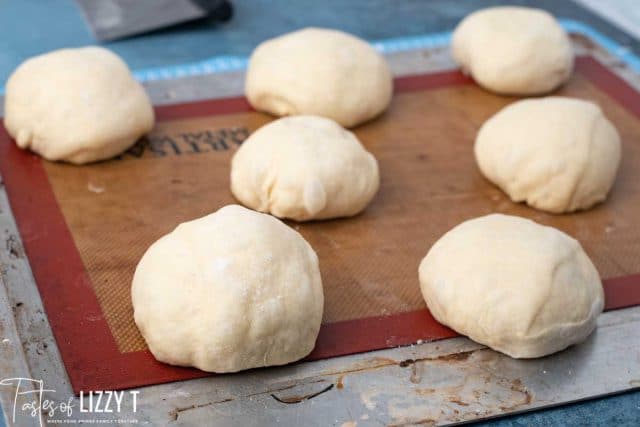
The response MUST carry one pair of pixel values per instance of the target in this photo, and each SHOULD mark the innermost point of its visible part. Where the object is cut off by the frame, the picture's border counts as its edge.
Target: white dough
(303, 168)
(556, 154)
(76, 105)
(322, 72)
(229, 291)
(516, 286)
(513, 50)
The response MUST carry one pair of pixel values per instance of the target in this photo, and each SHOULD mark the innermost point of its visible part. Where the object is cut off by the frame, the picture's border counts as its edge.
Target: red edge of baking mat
(82, 333)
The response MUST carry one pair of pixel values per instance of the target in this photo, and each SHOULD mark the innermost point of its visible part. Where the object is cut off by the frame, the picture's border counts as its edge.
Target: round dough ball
(303, 168)
(556, 154)
(319, 71)
(516, 286)
(513, 50)
(76, 105)
(229, 291)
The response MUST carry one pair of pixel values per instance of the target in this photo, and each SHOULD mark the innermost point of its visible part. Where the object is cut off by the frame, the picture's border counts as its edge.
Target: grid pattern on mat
(116, 209)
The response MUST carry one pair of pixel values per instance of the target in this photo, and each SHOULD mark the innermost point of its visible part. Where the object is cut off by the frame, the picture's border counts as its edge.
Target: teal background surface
(31, 27)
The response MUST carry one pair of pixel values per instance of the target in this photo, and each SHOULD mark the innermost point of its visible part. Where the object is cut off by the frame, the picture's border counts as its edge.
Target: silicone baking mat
(85, 228)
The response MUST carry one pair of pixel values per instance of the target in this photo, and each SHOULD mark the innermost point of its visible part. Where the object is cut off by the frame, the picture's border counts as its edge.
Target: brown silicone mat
(115, 209)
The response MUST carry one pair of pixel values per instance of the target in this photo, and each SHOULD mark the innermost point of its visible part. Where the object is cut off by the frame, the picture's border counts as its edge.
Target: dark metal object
(114, 19)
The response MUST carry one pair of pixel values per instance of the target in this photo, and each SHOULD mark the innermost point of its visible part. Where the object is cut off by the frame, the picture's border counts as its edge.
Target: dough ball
(513, 50)
(76, 105)
(229, 291)
(556, 154)
(319, 71)
(516, 286)
(303, 168)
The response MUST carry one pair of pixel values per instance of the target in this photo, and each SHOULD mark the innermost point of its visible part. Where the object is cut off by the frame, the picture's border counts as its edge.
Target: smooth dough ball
(322, 72)
(76, 105)
(233, 290)
(516, 286)
(303, 168)
(556, 154)
(513, 50)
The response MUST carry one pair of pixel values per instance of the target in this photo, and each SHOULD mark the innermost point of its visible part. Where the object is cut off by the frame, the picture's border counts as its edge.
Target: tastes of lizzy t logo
(31, 399)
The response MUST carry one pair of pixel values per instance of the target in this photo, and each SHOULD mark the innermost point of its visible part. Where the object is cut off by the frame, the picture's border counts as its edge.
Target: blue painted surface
(31, 27)
(231, 63)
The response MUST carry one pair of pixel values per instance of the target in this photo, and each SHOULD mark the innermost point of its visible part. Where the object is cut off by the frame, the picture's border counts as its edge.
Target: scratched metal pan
(446, 381)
